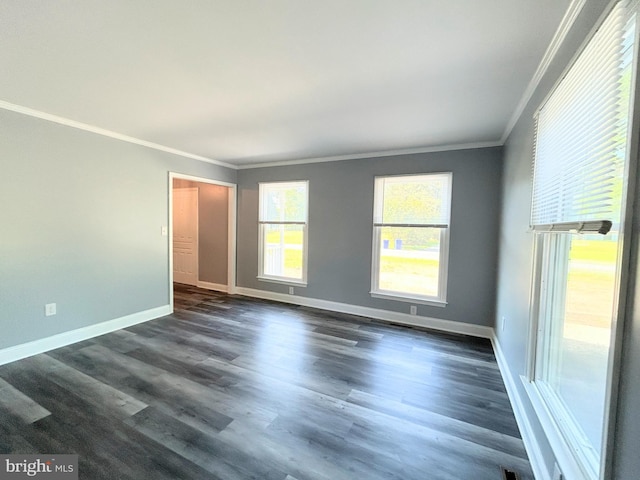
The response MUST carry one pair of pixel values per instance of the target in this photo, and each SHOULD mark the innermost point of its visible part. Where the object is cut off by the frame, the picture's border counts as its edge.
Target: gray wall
(516, 249)
(213, 230)
(340, 229)
(81, 216)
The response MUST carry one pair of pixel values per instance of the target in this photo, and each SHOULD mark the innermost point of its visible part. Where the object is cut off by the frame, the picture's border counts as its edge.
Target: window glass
(283, 250)
(411, 223)
(578, 303)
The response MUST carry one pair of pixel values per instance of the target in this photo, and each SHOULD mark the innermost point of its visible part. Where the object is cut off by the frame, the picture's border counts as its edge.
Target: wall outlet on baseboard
(413, 310)
(50, 309)
(291, 291)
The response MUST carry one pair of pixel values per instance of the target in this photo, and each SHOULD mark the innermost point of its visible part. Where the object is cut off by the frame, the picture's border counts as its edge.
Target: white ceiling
(250, 81)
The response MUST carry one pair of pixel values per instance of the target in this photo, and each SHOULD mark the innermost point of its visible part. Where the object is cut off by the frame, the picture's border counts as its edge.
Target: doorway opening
(202, 226)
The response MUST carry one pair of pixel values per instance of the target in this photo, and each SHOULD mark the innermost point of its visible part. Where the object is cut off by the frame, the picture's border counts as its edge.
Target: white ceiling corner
(253, 82)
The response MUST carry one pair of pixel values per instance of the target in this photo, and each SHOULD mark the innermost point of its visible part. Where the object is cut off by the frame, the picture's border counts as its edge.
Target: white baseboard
(218, 287)
(536, 459)
(11, 354)
(531, 445)
(386, 315)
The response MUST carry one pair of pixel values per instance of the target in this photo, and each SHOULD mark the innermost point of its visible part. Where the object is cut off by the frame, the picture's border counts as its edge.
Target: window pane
(417, 199)
(283, 250)
(409, 260)
(577, 320)
(283, 202)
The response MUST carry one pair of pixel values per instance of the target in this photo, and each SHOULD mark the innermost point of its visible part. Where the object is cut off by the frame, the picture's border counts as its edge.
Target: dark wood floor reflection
(235, 388)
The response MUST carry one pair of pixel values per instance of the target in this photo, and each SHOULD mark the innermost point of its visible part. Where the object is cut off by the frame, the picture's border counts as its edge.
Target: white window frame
(573, 454)
(263, 223)
(439, 300)
(565, 440)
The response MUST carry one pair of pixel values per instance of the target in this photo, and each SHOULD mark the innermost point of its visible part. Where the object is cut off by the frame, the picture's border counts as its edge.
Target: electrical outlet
(50, 309)
(291, 291)
(413, 310)
(164, 231)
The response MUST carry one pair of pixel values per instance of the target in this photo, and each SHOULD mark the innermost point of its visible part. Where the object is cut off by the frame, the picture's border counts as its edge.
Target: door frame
(231, 233)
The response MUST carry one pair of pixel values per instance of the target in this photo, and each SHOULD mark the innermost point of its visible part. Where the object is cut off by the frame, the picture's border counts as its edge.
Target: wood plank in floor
(233, 388)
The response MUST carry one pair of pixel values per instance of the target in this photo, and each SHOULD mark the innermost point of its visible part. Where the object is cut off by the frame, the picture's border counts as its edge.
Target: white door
(185, 235)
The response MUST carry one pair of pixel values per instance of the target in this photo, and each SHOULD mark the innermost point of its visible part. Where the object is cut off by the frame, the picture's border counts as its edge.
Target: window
(283, 232)
(580, 166)
(411, 237)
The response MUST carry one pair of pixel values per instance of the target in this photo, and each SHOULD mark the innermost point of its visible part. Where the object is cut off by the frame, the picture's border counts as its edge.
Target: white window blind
(413, 201)
(581, 134)
(283, 202)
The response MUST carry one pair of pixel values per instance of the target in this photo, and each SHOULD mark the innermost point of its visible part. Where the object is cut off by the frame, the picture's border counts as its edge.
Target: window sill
(283, 281)
(408, 299)
(565, 453)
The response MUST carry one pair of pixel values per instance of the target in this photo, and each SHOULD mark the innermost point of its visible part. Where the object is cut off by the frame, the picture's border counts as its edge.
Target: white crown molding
(386, 315)
(18, 352)
(125, 138)
(573, 10)
(384, 153)
(107, 133)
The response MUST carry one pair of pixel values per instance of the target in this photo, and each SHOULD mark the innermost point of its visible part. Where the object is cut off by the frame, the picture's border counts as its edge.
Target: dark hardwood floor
(235, 388)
